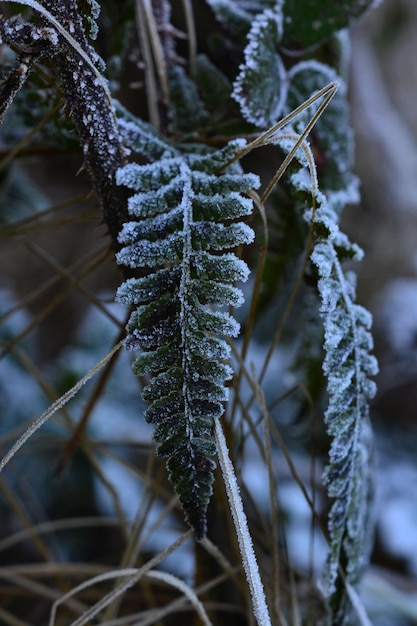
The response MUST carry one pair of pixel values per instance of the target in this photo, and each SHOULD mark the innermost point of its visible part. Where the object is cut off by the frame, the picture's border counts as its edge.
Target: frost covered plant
(349, 367)
(78, 70)
(177, 234)
(177, 204)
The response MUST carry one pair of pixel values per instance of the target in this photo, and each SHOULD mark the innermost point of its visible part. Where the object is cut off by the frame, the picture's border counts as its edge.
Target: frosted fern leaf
(186, 111)
(349, 367)
(177, 236)
(140, 136)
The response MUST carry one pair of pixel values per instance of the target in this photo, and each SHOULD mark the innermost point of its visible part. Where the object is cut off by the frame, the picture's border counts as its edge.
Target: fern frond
(187, 112)
(141, 136)
(349, 367)
(178, 236)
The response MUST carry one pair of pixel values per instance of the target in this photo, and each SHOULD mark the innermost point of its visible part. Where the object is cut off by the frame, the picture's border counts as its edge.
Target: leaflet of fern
(178, 238)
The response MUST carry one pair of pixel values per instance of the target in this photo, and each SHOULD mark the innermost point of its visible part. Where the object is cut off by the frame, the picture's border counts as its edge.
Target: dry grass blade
(133, 575)
(38, 590)
(11, 154)
(83, 267)
(35, 530)
(11, 620)
(188, 592)
(250, 564)
(56, 406)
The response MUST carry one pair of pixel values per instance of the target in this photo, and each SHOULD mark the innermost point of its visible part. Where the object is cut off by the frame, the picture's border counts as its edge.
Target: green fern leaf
(349, 367)
(186, 110)
(213, 86)
(177, 236)
(261, 86)
(141, 136)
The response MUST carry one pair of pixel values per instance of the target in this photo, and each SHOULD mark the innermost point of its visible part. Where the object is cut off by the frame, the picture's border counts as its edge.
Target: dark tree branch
(85, 96)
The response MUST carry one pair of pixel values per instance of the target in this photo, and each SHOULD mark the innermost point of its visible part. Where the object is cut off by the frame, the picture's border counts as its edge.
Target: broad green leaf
(308, 22)
(261, 87)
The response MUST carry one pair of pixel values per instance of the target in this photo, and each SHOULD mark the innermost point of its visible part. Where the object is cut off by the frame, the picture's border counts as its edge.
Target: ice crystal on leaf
(178, 237)
(91, 15)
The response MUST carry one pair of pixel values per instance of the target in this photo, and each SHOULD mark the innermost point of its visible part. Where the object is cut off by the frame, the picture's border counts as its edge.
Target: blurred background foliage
(81, 500)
